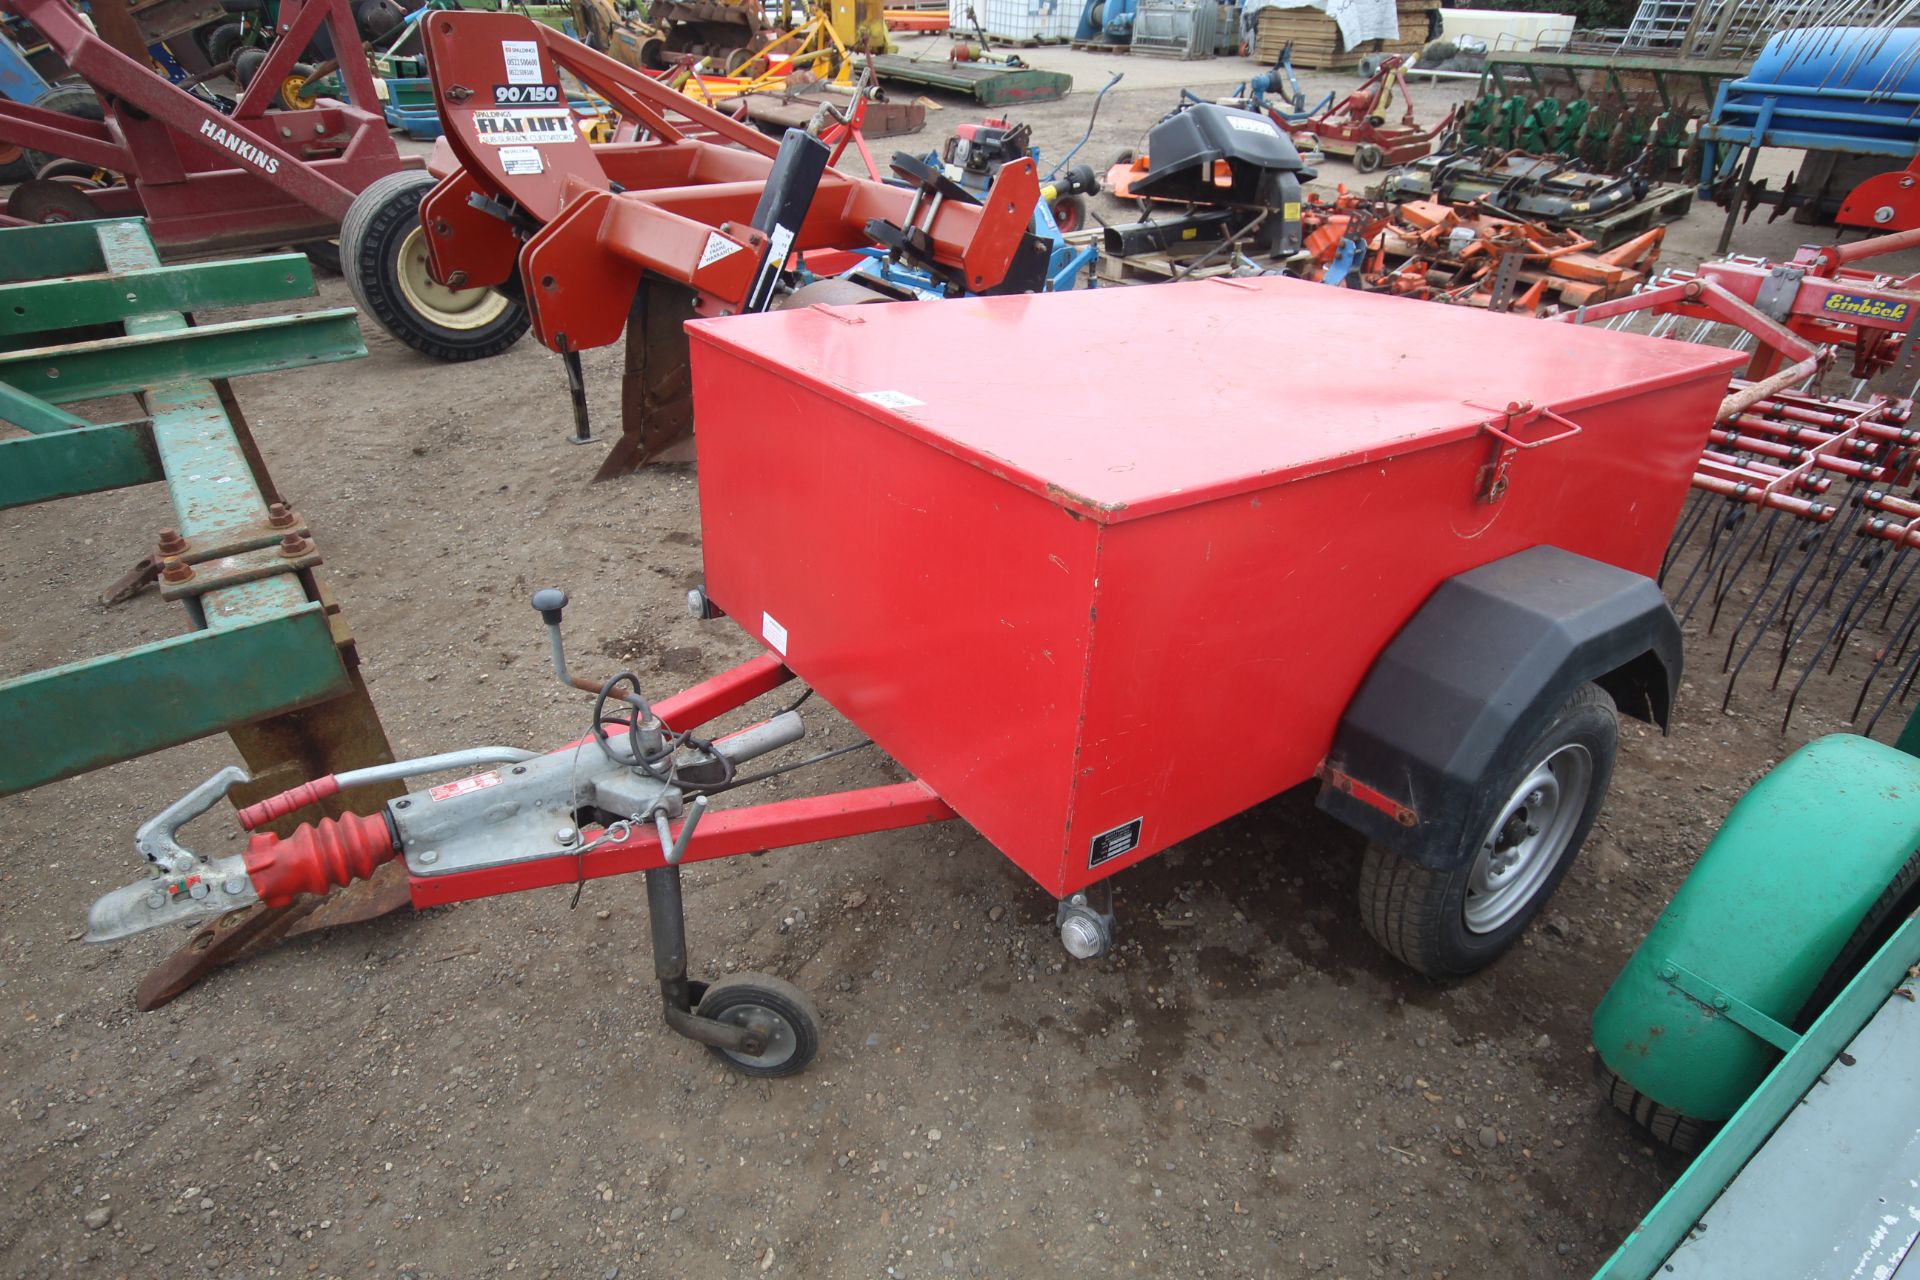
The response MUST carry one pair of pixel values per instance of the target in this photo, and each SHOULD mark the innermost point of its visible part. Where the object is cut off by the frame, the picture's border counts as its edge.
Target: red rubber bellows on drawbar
(318, 856)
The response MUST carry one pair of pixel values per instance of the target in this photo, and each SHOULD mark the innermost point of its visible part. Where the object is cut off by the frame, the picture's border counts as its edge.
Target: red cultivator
(687, 213)
(203, 179)
(1356, 126)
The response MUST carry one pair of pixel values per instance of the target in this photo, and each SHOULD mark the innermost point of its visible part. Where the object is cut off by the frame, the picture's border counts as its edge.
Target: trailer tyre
(383, 251)
(1367, 157)
(1540, 800)
(780, 1009)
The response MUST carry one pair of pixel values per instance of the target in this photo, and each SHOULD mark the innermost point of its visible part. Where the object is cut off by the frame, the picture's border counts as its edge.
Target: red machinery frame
(203, 179)
(656, 227)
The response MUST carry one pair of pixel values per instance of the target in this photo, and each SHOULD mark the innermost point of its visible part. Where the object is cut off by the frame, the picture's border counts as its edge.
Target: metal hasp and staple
(267, 658)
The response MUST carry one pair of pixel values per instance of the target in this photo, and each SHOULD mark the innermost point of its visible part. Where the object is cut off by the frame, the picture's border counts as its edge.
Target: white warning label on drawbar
(522, 160)
(774, 634)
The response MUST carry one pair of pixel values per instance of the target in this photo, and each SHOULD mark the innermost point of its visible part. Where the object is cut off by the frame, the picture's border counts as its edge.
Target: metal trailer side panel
(940, 610)
(1231, 637)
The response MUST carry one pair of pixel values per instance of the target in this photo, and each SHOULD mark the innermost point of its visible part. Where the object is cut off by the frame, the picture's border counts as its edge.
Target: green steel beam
(31, 413)
(65, 464)
(68, 302)
(94, 713)
(137, 361)
(1647, 1249)
(56, 249)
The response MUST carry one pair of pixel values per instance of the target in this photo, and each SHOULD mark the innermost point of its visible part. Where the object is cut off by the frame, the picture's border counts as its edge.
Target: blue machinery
(1848, 96)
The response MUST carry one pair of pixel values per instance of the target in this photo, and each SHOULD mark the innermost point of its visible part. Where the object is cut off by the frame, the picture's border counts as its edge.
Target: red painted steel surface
(205, 179)
(1138, 567)
(725, 833)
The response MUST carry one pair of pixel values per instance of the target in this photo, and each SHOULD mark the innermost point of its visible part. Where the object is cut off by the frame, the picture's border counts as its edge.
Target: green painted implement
(87, 314)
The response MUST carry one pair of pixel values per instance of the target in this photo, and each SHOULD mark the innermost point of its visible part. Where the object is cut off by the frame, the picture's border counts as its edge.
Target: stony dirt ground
(1247, 1087)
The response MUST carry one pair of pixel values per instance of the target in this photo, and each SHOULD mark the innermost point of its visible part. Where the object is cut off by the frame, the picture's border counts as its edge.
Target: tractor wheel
(1367, 157)
(246, 64)
(14, 165)
(1070, 213)
(224, 41)
(76, 100)
(1539, 802)
(289, 95)
(1682, 1134)
(1898, 901)
(383, 251)
(323, 254)
(779, 1009)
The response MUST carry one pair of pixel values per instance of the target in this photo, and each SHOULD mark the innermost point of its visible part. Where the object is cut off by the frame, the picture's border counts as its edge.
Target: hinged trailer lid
(1119, 403)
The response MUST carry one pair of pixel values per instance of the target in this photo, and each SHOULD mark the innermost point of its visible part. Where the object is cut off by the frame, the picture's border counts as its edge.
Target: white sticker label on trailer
(522, 160)
(1252, 126)
(718, 247)
(523, 61)
(774, 634)
(524, 126)
(891, 399)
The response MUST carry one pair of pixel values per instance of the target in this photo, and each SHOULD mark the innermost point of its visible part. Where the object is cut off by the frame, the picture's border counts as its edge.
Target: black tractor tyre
(76, 100)
(1681, 1134)
(1896, 902)
(246, 65)
(224, 41)
(383, 255)
(1452, 923)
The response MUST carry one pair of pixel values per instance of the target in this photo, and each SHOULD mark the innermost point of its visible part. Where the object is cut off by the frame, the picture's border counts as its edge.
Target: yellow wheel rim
(449, 308)
(290, 96)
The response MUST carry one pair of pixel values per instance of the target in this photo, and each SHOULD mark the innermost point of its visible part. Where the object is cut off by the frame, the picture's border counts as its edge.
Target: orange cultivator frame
(686, 213)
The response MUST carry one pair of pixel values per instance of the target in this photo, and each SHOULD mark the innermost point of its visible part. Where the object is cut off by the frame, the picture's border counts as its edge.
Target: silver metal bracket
(1779, 290)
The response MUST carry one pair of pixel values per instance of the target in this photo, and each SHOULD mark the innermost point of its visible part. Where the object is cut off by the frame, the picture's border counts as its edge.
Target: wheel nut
(171, 543)
(174, 569)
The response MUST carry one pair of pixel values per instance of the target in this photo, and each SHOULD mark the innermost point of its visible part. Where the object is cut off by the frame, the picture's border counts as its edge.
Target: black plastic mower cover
(1263, 167)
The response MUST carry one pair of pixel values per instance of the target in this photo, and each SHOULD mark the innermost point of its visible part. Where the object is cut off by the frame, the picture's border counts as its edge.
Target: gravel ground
(1246, 1087)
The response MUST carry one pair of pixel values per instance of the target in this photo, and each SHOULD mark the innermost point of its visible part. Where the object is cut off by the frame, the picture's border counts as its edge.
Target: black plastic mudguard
(1489, 654)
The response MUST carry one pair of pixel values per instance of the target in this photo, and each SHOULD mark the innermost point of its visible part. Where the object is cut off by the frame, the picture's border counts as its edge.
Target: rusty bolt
(279, 515)
(293, 546)
(174, 569)
(171, 543)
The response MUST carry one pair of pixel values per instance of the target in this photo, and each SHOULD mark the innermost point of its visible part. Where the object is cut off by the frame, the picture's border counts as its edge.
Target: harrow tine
(1721, 527)
(1730, 577)
(1839, 621)
(1812, 545)
(1699, 502)
(1895, 649)
(1903, 680)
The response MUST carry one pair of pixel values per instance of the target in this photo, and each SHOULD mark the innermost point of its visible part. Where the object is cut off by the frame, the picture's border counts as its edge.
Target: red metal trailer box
(1105, 568)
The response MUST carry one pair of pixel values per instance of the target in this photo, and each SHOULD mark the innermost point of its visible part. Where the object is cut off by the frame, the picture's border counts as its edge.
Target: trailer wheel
(1367, 157)
(383, 251)
(779, 1008)
(1450, 923)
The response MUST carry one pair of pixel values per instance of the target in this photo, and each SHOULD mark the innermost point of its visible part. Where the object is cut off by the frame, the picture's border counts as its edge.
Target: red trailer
(1414, 570)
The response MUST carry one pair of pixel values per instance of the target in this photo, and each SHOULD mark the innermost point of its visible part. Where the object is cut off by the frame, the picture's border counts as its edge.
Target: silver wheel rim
(459, 309)
(1528, 838)
(781, 1042)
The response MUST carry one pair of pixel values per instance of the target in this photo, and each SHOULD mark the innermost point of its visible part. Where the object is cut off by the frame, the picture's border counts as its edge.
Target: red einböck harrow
(1424, 595)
